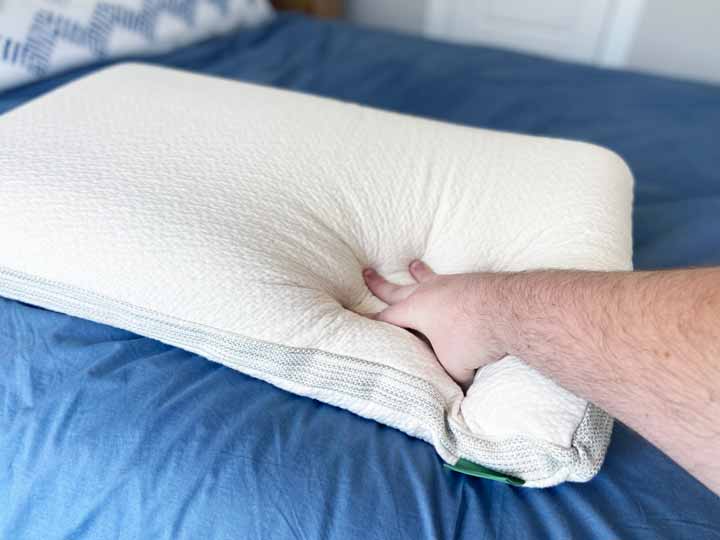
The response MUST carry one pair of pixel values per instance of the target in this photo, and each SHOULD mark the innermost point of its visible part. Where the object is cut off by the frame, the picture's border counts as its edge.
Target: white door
(592, 31)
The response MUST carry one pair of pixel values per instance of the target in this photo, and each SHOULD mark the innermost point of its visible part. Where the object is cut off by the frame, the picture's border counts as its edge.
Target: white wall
(679, 37)
(674, 37)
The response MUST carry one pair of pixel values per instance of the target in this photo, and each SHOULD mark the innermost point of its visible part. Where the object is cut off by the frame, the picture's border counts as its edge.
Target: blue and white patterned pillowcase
(41, 37)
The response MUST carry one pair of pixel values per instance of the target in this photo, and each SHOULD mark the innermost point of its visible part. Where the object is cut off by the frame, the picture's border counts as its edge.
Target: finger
(399, 315)
(421, 271)
(390, 293)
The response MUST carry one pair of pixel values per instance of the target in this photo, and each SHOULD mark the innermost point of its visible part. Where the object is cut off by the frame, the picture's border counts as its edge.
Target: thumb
(398, 314)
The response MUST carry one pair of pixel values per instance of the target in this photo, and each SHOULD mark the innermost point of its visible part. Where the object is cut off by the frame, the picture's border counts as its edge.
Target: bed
(106, 434)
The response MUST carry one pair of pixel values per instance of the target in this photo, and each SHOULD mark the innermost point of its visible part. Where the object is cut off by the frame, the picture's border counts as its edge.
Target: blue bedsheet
(104, 434)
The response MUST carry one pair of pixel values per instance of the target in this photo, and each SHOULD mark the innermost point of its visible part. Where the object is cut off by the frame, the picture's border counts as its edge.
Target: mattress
(110, 435)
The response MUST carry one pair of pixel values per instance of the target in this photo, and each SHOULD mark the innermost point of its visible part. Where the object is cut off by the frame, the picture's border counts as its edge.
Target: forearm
(645, 346)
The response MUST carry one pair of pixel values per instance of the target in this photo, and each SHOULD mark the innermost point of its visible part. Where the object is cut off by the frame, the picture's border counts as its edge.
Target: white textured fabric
(41, 37)
(234, 220)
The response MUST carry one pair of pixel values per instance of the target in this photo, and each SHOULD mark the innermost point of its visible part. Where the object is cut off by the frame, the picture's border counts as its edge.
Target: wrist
(496, 305)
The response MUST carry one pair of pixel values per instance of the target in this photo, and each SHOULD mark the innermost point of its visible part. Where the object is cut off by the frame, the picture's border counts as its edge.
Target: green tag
(473, 469)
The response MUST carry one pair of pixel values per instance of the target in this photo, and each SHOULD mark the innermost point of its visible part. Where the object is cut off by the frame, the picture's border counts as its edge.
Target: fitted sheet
(110, 435)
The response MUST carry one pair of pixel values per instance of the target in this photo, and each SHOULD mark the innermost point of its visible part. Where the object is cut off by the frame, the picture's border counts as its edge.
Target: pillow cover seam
(571, 456)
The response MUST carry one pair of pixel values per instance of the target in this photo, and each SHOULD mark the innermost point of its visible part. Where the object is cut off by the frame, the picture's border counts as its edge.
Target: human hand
(454, 312)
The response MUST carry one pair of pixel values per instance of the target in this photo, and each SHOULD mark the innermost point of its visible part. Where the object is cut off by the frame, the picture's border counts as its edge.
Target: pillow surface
(234, 220)
(41, 37)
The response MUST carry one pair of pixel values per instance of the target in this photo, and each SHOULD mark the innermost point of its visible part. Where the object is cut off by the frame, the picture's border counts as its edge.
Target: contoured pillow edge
(99, 133)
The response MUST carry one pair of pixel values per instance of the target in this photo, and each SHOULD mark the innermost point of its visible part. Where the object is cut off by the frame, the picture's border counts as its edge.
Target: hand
(452, 311)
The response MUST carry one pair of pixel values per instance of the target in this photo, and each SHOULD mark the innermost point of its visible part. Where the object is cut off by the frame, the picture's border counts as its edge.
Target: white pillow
(41, 37)
(234, 220)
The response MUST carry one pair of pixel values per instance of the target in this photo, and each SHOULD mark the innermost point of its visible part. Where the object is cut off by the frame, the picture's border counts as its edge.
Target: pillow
(234, 220)
(41, 37)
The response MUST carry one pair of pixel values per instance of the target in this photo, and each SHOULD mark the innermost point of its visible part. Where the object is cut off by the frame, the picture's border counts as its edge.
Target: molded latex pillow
(234, 220)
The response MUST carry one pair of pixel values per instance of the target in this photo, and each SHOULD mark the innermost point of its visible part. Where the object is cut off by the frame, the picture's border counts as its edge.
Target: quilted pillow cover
(41, 37)
(234, 220)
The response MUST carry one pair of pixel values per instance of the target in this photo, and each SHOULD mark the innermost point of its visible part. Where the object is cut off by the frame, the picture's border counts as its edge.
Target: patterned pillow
(41, 37)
